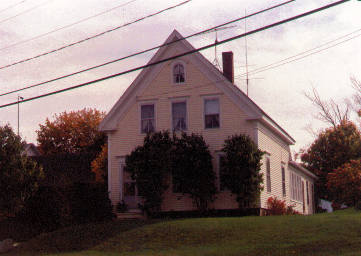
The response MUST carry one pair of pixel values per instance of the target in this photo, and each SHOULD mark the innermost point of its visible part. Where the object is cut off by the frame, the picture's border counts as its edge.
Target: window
(268, 174)
(178, 74)
(211, 113)
(283, 181)
(307, 194)
(296, 187)
(222, 177)
(147, 118)
(179, 116)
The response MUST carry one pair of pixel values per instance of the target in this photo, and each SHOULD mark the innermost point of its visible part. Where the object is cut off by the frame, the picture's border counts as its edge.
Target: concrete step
(130, 215)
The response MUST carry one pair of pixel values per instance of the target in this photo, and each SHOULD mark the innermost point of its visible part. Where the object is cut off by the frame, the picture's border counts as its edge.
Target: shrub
(241, 169)
(278, 207)
(47, 210)
(89, 202)
(122, 206)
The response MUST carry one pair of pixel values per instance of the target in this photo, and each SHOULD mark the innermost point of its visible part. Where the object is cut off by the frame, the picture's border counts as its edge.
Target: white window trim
(185, 72)
(179, 100)
(151, 102)
(211, 97)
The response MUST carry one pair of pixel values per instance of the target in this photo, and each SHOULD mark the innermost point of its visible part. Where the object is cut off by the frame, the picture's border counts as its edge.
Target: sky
(32, 27)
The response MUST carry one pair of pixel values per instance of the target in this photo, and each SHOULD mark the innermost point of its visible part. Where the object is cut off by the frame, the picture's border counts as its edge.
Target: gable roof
(252, 110)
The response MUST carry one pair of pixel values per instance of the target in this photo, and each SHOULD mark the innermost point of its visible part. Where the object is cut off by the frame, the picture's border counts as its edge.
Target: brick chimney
(228, 71)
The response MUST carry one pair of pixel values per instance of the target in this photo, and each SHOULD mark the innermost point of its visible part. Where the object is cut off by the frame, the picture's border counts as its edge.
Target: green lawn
(322, 234)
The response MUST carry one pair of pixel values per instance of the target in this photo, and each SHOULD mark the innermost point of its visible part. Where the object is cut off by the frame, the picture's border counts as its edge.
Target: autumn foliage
(100, 165)
(71, 132)
(345, 183)
(278, 207)
(333, 148)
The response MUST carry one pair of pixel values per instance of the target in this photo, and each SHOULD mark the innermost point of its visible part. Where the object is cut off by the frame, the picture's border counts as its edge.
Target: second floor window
(147, 118)
(178, 74)
(211, 113)
(179, 116)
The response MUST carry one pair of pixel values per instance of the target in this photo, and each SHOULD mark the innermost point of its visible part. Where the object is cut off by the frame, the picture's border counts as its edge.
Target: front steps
(131, 214)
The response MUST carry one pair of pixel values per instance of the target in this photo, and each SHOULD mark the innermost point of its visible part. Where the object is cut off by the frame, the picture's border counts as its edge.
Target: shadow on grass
(75, 238)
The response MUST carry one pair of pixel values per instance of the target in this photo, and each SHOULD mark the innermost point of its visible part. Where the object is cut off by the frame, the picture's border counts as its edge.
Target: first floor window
(283, 181)
(268, 174)
(211, 113)
(179, 116)
(222, 177)
(147, 118)
(296, 187)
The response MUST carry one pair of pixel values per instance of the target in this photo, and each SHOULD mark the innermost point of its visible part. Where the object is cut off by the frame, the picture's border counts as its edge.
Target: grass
(336, 233)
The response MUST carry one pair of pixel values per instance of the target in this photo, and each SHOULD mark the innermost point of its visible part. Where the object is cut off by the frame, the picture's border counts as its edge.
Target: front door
(130, 194)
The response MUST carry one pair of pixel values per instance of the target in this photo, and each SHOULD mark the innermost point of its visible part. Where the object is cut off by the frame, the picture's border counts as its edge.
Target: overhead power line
(302, 54)
(66, 26)
(145, 51)
(95, 36)
(27, 10)
(183, 54)
(11, 6)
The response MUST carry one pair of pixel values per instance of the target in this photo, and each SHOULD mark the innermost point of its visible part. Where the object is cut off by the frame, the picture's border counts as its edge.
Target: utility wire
(66, 26)
(97, 35)
(183, 54)
(11, 6)
(145, 51)
(27, 10)
(301, 54)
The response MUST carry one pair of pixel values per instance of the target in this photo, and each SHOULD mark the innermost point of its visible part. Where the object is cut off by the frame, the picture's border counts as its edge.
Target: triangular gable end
(147, 75)
(111, 120)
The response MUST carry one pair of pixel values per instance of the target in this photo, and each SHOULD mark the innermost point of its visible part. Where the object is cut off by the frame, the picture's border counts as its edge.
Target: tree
(334, 147)
(100, 165)
(73, 132)
(241, 169)
(344, 183)
(19, 175)
(149, 165)
(329, 111)
(192, 169)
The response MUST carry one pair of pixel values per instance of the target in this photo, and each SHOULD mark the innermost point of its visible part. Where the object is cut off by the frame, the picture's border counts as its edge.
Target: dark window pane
(179, 114)
(212, 121)
(178, 74)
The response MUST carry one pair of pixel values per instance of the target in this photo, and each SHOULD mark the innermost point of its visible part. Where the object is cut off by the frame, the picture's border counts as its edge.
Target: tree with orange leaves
(345, 183)
(72, 132)
(100, 165)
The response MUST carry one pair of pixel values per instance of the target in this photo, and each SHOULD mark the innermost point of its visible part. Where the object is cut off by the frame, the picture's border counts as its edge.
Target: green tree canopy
(241, 169)
(149, 166)
(19, 175)
(333, 147)
(192, 169)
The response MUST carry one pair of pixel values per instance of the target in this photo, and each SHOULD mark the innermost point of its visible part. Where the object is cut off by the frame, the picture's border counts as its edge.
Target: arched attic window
(178, 73)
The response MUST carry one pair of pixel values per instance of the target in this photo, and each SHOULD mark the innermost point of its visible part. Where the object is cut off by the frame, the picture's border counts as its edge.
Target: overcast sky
(278, 91)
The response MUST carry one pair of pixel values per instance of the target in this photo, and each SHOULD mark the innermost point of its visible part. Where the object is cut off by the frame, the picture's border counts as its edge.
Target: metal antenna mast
(245, 40)
(215, 61)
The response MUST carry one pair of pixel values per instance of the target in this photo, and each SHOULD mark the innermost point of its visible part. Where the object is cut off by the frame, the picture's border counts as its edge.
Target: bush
(47, 210)
(89, 202)
(54, 207)
(278, 207)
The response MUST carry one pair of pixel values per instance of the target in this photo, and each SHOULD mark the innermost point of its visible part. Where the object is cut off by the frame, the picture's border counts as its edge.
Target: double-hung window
(268, 173)
(296, 187)
(211, 113)
(222, 177)
(179, 116)
(283, 181)
(147, 118)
